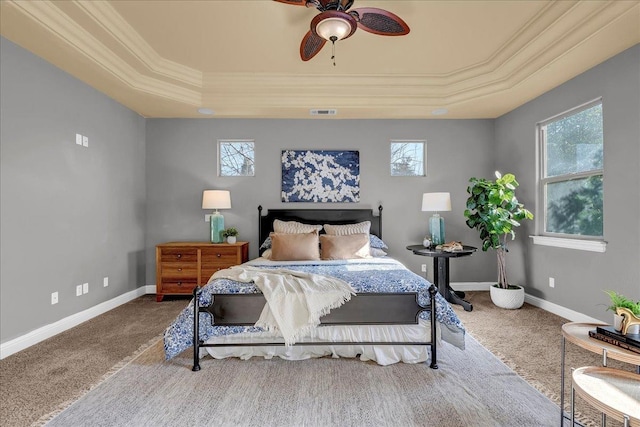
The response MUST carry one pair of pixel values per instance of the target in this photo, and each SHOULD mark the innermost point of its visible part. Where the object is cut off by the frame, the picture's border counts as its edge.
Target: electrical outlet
(85, 141)
(85, 288)
(78, 139)
(207, 218)
(54, 298)
(424, 268)
(79, 290)
(552, 282)
(105, 282)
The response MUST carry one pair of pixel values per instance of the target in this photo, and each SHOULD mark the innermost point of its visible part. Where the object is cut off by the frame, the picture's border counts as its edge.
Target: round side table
(611, 391)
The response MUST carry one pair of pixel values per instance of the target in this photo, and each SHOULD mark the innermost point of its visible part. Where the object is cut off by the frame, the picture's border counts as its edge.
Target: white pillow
(348, 229)
(294, 227)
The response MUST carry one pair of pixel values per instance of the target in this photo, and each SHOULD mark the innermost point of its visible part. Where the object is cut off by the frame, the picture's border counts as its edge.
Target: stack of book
(607, 334)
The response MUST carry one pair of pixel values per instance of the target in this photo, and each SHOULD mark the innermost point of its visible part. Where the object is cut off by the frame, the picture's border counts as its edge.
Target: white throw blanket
(295, 300)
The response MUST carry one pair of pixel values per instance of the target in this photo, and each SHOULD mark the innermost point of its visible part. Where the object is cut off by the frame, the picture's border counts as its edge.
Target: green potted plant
(494, 210)
(230, 234)
(617, 300)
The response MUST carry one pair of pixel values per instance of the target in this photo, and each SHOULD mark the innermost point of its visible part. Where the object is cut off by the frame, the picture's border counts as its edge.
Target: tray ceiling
(476, 59)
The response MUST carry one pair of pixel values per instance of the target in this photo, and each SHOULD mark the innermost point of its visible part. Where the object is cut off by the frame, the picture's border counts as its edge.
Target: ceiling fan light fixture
(333, 28)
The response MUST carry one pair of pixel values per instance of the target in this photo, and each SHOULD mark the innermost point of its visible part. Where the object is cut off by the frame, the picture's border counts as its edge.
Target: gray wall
(580, 276)
(181, 162)
(69, 214)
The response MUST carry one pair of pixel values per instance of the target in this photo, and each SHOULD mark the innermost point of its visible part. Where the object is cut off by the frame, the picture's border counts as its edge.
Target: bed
(394, 316)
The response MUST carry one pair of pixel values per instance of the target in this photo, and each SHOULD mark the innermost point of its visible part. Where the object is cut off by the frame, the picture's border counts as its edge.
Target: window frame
(424, 156)
(543, 237)
(232, 141)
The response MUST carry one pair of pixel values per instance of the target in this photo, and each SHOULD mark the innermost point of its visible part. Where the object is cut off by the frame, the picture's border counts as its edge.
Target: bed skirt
(381, 354)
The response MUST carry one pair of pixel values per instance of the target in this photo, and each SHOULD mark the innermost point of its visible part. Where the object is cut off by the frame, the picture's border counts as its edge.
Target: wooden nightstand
(181, 266)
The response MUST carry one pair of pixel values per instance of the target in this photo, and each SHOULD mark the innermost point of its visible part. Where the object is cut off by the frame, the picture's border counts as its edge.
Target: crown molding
(558, 33)
(75, 36)
(111, 21)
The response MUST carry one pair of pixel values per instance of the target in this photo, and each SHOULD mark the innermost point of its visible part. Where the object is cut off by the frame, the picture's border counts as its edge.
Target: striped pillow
(294, 227)
(348, 229)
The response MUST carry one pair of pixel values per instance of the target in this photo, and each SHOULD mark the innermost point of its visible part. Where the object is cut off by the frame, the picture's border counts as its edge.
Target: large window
(236, 158)
(571, 175)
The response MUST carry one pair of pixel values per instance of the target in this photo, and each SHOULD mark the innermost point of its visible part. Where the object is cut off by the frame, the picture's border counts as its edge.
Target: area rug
(471, 387)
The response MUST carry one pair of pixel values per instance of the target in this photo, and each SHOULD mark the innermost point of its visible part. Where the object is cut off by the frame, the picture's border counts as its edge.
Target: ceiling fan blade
(380, 21)
(311, 45)
(293, 2)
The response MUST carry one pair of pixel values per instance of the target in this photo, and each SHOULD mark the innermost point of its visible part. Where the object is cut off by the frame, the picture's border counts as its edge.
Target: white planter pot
(617, 322)
(507, 298)
(231, 239)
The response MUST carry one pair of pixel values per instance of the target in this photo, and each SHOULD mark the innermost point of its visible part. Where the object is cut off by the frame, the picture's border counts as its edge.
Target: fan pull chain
(333, 49)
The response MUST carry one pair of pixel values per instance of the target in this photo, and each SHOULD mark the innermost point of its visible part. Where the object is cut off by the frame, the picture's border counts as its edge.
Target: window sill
(583, 245)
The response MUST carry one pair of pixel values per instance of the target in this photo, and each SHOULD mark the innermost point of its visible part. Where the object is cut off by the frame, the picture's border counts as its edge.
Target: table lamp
(436, 202)
(216, 199)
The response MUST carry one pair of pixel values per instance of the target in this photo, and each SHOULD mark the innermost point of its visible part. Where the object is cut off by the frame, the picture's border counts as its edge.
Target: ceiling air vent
(329, 112)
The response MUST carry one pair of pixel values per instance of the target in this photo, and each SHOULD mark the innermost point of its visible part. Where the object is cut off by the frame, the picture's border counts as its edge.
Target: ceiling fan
(336, 22)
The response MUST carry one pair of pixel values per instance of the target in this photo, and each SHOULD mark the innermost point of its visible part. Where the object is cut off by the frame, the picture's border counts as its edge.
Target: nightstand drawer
(178, 286)
(220, 256)
(179, 255)
(171, 270)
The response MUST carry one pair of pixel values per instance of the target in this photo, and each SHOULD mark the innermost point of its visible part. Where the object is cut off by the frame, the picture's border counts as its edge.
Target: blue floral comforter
(370, 275)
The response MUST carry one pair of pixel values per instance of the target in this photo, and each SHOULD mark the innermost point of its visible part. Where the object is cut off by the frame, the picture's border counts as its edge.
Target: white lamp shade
(333, 27)
(436, 202)
(216, 199)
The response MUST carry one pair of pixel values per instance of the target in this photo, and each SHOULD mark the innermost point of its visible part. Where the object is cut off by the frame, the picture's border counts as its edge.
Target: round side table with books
(578, 334)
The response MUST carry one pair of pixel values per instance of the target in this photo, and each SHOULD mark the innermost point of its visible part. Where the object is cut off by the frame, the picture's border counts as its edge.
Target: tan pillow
(294, 227)
(345, 247)
(294, 247)
(348, 229)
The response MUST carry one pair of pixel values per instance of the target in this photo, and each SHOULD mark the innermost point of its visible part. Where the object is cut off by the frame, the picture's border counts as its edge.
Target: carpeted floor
(40, 379)
(470, 388)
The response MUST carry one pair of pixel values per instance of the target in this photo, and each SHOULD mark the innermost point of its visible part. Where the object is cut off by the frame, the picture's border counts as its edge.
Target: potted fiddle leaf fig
(494, 210)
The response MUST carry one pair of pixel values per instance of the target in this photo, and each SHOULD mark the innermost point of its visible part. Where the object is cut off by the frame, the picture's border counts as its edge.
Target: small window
(572, 172)
(408, 158)
(236, 158)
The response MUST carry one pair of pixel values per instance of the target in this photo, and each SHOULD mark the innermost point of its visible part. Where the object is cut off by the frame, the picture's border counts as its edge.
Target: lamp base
(436, 229)
(217, 225)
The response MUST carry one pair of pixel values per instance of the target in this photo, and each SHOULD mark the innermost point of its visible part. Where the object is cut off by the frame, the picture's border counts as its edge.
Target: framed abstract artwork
(321, 176)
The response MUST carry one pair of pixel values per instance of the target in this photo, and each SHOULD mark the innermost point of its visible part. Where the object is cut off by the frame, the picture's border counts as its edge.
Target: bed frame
(365, 309)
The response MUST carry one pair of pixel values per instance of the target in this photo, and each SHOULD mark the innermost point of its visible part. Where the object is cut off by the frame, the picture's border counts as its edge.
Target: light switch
(78, 139)
(85, 288)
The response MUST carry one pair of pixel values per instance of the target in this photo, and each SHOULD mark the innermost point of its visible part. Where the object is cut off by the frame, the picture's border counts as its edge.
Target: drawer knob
(179, 256)
(218, 255)
(179, 269)
(179, 283)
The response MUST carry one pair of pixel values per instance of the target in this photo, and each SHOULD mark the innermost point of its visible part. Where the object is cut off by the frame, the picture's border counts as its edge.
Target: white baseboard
(559, 310)
(556, 309)
(10, 347)
(471, 286)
